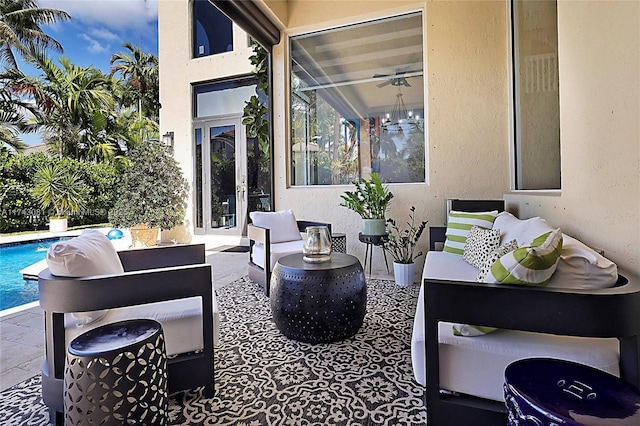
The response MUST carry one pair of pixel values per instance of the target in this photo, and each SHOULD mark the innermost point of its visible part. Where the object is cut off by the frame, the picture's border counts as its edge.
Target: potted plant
(401, 244)
(151, 194)
(371, 200)
(62, 190)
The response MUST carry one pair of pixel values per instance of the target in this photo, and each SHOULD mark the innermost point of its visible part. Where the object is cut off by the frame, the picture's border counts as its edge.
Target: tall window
(212, 30)
(357, 103)
(536, 95)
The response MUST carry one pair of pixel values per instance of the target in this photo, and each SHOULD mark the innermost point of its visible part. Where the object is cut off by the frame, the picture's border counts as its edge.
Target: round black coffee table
(318, 302)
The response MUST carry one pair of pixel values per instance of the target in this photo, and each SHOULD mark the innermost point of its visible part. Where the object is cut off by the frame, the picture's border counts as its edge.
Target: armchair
(273, 235)
(171, 284)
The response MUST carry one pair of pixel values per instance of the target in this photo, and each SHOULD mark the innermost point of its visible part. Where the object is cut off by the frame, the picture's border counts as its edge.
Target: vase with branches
(402, 244)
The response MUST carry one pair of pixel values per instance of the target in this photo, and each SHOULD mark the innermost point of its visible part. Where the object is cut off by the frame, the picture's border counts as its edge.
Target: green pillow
(471, 330)
(529, 265)
(459, 225)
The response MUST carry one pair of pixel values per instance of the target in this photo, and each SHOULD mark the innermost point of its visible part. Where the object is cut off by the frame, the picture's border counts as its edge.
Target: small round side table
(318, 302)
(545, 392)
(117, 374)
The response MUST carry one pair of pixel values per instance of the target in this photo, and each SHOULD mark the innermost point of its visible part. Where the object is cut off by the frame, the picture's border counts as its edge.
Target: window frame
(515, 133)
(336, 24)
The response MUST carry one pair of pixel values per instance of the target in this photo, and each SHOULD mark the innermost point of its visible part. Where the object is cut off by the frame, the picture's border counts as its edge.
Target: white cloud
(103, 34)
(113, 14)
(93, 46)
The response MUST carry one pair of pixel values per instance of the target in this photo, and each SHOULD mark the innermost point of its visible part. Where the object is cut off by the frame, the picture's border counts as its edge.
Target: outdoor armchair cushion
(282, 224)
(91, 253)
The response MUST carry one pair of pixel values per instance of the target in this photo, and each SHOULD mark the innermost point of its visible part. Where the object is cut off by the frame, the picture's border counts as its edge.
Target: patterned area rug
(263, 378)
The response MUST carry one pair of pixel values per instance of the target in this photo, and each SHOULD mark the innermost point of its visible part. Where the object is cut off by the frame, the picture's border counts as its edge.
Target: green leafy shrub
(151, 191)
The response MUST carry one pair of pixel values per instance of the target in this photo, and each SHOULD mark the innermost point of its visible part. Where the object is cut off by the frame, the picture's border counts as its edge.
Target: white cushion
(476, 366)
(282, 224)
(277, 251)
(521, 230)
(582, 267)
(438, 265)
(89, 254)
(181, 322)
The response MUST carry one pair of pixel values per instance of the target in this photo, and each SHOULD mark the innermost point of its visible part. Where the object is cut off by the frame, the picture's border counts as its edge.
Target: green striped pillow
(530, 265)
(465, 330)
(459, 225)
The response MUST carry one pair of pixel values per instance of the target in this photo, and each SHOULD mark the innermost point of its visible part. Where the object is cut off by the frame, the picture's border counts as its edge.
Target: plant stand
(371, 241)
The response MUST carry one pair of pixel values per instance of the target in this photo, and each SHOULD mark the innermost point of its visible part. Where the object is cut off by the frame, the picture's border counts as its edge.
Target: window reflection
(212, 30)
(357, 103)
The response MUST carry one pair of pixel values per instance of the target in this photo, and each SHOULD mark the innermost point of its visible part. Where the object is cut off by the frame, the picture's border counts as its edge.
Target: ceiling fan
(397, 79)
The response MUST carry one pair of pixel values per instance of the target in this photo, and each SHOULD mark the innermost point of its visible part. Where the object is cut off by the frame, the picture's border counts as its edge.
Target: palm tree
(14, 120)
(75, 103)
(140, 71)
(20, 22)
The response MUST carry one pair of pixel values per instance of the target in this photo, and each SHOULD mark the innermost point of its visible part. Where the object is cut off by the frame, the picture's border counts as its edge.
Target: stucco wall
(178, 71)
(599, 61)
(468, 142)
(466, 94)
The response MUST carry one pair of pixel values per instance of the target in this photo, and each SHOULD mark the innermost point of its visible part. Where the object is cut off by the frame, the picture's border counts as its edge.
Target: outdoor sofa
(589, 316)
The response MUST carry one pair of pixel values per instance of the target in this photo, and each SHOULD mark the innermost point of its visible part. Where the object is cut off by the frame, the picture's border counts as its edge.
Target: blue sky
(98, 29)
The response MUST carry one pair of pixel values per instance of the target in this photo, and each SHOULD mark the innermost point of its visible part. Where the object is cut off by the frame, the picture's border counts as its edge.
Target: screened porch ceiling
(358, 69)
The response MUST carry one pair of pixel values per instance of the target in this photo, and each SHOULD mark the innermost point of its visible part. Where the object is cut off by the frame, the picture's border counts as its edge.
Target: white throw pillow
(282, 224)
(89, 254)
(582, 267)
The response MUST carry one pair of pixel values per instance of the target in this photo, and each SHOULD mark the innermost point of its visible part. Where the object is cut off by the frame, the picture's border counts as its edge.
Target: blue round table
(545, 391)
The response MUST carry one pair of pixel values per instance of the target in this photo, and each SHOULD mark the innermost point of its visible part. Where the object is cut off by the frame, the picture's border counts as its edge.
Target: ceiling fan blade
(384, 83)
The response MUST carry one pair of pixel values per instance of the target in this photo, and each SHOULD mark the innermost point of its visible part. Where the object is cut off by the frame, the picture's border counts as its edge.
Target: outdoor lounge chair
(273, 235)
(171, 284)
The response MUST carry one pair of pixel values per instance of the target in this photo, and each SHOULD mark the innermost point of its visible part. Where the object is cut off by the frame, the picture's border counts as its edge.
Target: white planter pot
(57, 225)
(404, 273)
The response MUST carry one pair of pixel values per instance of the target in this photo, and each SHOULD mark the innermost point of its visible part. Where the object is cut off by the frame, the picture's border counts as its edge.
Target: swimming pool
(14, 290)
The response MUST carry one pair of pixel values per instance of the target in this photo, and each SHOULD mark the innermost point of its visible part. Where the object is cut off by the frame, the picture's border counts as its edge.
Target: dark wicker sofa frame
(258, 234)
(606, 313)
(151, 275)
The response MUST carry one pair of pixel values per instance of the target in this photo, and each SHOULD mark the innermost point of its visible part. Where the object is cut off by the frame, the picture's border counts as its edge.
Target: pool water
(14, 290)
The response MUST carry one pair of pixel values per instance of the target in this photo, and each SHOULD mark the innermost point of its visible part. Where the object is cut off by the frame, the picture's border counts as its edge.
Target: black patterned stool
(339, 243)
(117, 374)
(318, 302)
(554, 392)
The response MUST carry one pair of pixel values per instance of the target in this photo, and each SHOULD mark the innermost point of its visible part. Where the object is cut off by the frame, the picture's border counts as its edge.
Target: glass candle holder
(317, 245)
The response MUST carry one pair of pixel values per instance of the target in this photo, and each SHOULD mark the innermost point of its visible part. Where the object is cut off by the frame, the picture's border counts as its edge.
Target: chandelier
(400, 120)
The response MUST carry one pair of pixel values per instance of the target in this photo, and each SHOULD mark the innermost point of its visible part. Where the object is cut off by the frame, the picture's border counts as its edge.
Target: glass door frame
(206, 124)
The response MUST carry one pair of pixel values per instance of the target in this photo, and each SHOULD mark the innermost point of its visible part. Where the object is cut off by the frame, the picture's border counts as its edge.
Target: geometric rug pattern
(264, 378)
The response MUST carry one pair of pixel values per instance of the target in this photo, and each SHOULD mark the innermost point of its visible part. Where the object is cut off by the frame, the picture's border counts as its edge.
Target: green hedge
(20, 211)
